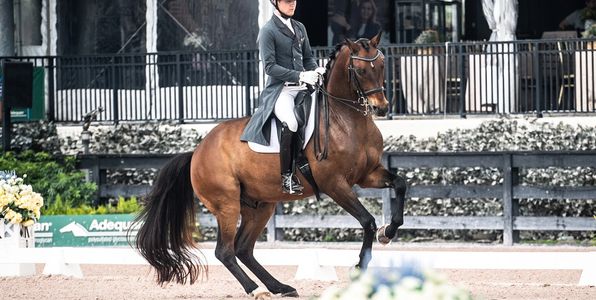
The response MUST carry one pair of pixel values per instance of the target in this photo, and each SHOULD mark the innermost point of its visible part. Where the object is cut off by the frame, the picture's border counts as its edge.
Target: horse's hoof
(261, 294)
(381, 237)
(293, 294)
(284, 290)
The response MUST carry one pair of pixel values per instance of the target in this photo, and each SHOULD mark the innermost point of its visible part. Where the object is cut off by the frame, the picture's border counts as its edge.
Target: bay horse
(232, 181)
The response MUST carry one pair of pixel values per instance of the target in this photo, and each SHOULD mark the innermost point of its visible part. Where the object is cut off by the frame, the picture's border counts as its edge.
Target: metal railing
(510, 191)
(529, 76)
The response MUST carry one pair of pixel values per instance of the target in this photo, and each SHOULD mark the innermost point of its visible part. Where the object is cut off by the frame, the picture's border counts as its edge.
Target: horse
(232, 181)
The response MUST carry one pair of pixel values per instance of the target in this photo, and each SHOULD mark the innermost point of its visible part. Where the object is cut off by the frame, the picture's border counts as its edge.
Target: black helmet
(274, 2)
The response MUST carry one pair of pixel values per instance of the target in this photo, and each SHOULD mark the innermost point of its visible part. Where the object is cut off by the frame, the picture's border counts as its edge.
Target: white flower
(28, 223)
(393, 284)
(18, 203)
(383, 293)
(331, 293)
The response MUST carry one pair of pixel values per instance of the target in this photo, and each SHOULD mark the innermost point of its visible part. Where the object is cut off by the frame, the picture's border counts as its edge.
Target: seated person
(577, 19)
(366, 25)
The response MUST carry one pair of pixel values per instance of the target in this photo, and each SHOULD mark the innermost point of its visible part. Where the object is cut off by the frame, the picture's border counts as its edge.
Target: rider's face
(287, 6)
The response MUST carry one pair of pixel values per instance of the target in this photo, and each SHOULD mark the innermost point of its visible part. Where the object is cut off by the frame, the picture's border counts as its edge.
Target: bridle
(361, 101)
(362, 94)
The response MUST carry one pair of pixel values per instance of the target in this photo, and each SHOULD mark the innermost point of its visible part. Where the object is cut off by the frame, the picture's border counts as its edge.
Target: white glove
(309, 77)
(321, 70)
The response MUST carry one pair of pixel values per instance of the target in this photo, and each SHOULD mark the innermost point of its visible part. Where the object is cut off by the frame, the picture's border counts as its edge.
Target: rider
(290, 65)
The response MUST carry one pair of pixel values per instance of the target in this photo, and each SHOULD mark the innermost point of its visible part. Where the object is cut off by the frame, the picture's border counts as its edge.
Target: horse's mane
(365, 43)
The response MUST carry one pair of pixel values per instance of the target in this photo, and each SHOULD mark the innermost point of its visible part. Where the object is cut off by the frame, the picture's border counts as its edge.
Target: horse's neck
(346, 117)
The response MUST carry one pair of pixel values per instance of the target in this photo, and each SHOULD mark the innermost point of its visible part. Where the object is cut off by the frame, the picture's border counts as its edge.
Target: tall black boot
(289, 182)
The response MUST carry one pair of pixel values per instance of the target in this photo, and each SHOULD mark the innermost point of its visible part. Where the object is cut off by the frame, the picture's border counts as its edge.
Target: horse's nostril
(380, 111)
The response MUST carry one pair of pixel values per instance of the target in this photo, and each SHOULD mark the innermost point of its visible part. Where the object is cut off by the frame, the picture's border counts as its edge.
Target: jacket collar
(283, 28)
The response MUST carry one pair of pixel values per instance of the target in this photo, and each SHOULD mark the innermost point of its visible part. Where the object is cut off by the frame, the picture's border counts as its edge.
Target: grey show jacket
(284, 56)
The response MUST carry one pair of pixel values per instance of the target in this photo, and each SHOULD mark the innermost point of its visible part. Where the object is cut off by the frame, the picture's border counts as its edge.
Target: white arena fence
(316, 263)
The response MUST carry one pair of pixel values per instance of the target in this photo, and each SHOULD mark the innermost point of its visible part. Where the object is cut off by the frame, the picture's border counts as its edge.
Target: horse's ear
(354, 47)
(376, 39)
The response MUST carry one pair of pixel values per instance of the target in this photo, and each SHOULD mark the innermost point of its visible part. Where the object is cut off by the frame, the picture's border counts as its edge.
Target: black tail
(167, 222)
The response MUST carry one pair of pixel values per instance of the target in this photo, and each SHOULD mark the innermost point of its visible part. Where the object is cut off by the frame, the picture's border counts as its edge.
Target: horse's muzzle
(380, 111)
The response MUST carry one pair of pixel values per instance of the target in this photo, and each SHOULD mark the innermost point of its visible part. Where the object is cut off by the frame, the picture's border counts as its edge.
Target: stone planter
(12, 237)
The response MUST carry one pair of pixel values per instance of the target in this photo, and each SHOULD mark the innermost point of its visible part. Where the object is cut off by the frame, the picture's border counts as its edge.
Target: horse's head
(365, 65)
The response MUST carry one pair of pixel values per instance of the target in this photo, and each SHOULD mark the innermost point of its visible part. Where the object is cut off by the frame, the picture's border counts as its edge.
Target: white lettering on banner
(109, 225)
(107, 239)
(100, 239)
(42, 226)
(96, 227)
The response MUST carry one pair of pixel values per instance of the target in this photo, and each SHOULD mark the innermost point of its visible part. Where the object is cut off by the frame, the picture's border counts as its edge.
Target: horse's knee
(243, 254)
(224, 254)
(369, 225)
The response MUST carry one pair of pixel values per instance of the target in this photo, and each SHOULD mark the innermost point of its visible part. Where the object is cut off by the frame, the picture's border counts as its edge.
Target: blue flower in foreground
(409, 281)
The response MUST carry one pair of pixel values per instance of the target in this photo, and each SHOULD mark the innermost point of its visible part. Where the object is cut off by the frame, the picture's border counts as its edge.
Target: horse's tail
(167, 222)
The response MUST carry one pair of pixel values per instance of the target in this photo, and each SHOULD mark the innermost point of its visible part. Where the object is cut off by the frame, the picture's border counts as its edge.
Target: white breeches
(284, 106)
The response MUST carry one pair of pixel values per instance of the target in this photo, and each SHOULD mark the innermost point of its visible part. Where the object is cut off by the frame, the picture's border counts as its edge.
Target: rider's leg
(284, 108)
(284, 111)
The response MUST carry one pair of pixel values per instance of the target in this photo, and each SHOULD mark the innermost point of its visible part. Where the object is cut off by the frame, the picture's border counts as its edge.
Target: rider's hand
(309, 77)
(320, 70)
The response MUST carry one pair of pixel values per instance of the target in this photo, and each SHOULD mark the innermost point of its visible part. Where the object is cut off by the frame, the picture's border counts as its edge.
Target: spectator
(344, 14)
(577, 20)
(366, 25)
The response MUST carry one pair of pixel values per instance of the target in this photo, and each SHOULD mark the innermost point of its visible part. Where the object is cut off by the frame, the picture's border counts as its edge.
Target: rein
(323, 96)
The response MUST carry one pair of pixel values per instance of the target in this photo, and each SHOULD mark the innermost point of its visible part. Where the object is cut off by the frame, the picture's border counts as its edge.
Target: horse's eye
(360, 71)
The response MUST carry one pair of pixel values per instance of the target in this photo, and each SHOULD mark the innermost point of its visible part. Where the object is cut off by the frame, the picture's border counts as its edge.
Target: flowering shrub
(590, 31)
(19, 204)
(396, 283)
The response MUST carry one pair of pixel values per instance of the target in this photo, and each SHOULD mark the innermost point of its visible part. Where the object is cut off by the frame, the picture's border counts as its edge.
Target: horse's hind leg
(227, 220)
(347, 199)
(382, 178)
(253, 222)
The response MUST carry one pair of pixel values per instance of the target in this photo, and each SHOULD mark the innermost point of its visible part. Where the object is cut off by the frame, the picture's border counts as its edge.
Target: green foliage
(590, 32)
(123, 206)
(53, 178)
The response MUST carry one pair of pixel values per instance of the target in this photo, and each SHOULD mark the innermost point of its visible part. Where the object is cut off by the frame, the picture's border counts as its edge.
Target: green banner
(37, 112)
(83, 230)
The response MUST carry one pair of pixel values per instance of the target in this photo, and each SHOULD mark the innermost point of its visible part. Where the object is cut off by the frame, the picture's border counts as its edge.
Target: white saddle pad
(274, 140)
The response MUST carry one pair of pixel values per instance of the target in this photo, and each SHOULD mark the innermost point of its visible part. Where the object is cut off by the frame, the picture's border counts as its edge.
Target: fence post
(180, 89)
(247, 85)
(50, 115)
(274, 233)
(536, 66)
(510, 205)
(115, 91)
(462, 82)
(389, 65)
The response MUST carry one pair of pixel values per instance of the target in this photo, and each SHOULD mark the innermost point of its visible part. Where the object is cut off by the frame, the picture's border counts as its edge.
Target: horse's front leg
(382, 178)
(343, 195)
